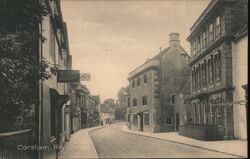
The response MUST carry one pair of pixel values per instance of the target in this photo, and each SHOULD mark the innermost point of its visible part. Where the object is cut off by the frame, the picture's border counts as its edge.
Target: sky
(110, 38)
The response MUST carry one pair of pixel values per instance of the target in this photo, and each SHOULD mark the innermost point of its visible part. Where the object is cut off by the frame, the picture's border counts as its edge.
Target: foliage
(121, 109)
(20, 69)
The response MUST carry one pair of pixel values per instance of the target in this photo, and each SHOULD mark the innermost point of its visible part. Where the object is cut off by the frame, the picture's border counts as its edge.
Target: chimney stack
(174, 39)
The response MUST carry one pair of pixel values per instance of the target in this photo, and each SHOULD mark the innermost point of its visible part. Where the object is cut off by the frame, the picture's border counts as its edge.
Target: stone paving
(231, 147)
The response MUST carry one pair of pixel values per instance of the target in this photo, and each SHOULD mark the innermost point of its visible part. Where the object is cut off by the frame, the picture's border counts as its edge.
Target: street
(112, 142)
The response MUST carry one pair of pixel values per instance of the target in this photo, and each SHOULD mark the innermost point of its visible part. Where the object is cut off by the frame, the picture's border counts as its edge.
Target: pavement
(112, 142)
(237, 148)
(80, 145)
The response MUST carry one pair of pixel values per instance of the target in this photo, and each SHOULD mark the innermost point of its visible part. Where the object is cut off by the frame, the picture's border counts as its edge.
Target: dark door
(177, 122)
(141, 122)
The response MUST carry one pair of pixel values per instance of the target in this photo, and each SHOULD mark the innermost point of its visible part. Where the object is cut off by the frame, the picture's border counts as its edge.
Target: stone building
(211, 69)
(77, 105)
(152, 86)
(240, 77)
(52, 111)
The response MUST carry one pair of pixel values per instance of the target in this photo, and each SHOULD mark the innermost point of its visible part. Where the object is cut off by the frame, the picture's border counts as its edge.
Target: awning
(59, 100)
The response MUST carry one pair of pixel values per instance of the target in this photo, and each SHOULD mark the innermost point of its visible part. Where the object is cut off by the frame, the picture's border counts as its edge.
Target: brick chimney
(174, 39)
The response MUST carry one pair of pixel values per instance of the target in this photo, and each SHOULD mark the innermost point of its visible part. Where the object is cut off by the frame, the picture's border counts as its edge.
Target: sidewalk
(80, 145)
(231, 147)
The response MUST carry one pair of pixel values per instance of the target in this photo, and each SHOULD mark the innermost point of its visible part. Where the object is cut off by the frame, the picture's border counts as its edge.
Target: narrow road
(112, 142)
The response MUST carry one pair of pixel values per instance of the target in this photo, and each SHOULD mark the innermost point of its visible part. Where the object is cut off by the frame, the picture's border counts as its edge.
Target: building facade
(240, 80)
(53, 109)
(153, 85)
(211, 67)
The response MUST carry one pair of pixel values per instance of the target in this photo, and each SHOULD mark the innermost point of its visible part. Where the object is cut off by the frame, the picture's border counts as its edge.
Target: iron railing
(201, 132)
(16, 145)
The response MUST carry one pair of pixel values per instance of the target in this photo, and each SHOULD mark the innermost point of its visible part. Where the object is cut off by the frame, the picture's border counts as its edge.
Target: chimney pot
(174, 39)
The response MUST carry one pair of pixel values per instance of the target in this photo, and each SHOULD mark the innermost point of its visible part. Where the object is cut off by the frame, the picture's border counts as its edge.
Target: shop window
(146, 119)
(144, 100)
(168, 121)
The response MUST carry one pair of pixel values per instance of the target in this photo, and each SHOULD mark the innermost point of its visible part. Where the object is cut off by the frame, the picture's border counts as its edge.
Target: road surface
(112, 142)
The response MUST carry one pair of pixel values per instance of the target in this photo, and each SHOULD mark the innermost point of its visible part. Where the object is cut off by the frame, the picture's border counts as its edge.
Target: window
(128, 102)
(199, 76)
(134, 102)
(146, 119)
(168, 121)
(193, 83)
(217, 26)
(193, 47)
(217, 66)
(211, 37)
(133, 84)
(138, 81)
(145, 78)
(144, 100)
(210, 71)
(135, 119)
(172, 98)
(128, 117)
(202, 73)
(198, 44)
(204, 39)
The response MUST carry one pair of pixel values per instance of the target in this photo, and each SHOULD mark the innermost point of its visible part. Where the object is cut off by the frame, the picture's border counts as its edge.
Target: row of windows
(138, 81)
(208, 72)
(206, 37)
(135, 119)
(168, 120)
(144, 101)
(202, 113)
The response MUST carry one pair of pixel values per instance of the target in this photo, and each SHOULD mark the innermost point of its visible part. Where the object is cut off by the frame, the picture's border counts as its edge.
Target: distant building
(107, 115)
(211, 37)
(240, 83)
(97, 109)
(78, 92)
(152, 87)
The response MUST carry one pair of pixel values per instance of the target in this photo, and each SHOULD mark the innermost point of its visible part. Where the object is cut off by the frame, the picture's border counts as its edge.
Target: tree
(121, 109)
(110, 103)
(20, 68)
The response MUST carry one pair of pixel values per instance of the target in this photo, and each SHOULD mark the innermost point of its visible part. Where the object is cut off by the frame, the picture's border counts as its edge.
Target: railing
(16, 145)
(201, 132)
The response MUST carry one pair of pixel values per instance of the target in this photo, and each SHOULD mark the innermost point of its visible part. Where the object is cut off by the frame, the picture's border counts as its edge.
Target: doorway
(177, 121)
(141, 121)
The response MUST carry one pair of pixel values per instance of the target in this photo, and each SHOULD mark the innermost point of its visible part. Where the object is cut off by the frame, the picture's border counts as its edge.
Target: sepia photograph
(123, 79)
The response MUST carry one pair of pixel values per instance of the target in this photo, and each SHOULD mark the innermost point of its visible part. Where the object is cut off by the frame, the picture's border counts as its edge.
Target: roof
(152, 62)
(211, 6)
